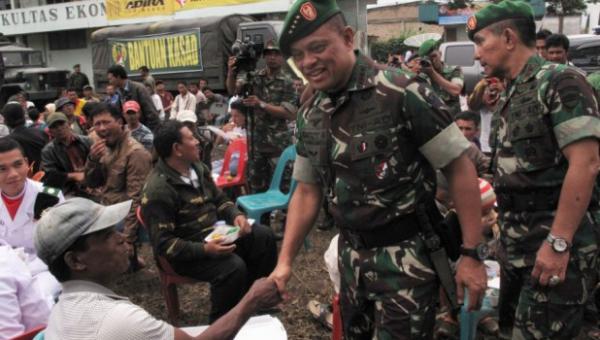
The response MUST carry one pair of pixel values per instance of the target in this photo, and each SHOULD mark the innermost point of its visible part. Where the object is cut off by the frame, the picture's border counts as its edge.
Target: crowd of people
(388, 152)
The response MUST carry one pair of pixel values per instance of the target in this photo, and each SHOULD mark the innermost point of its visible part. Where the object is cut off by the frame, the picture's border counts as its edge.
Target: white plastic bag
(331, 261)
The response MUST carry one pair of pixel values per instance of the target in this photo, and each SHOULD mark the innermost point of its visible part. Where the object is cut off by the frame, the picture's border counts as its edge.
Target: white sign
(59, 17)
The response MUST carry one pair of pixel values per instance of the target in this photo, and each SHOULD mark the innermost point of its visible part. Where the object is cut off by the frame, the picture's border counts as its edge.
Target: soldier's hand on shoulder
(217, 248)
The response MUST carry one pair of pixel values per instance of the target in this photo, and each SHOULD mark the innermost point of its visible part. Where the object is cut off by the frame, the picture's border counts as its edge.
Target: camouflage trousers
(260, 171)
(388, 292)
(529, 311)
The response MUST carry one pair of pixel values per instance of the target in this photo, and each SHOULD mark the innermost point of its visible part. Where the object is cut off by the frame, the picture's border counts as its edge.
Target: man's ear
(510, 38)
(175, 149)
(348, 35)
(74, 262)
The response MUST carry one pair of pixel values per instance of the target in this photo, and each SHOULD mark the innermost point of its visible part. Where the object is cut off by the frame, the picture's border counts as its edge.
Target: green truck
(181, 50)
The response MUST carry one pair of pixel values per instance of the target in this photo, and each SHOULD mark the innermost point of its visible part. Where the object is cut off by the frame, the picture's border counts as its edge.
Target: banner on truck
(168, 52)
(131, 9)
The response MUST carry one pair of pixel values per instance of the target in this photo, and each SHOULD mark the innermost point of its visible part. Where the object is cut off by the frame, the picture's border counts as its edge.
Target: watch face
(560, 245)
(483, 251)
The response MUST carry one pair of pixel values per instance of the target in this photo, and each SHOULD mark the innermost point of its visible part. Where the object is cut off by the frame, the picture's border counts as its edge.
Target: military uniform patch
(308, 11)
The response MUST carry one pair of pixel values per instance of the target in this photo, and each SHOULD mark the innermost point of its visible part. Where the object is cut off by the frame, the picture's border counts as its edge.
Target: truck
(462, 53)
(183, 50)
(25, 70)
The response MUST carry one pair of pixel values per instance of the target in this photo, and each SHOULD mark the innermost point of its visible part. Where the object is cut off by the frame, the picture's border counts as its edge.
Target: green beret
(303, 18)
(493, 13)
(427, 47)
(594, 80)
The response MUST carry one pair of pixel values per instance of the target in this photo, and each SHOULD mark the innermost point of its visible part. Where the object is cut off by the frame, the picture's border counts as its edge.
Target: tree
(562, 8)
(381, 49)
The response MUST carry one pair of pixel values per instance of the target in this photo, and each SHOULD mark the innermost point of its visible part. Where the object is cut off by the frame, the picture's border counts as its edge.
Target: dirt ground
(309, 281)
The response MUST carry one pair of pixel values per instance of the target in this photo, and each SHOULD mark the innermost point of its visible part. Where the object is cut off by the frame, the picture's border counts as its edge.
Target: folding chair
(169, 279)
(225, 180)
(257, 205)
(31, 334)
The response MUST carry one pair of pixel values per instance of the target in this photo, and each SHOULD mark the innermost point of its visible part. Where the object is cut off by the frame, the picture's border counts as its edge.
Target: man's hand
(549, 263)
(231, 64)
(242, 222)
(281, 275)
(252, 101)
(264, 293)
(217, 248)
(77, 177)
(470, 274)
(98, 150)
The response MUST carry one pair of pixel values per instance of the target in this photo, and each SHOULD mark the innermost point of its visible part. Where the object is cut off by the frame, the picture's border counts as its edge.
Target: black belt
(544, 200)
(400, 229)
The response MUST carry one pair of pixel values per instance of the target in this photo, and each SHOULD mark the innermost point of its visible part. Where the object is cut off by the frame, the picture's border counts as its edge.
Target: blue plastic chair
(470, 320)
(256, 205)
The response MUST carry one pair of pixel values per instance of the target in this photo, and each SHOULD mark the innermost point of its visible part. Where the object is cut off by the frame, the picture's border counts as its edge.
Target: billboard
(130, 9)
(167, 52)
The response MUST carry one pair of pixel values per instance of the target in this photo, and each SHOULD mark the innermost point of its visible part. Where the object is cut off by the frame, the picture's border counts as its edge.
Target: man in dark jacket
(133, 90)
(181, 204)
(78, 80)
(31, 139)
(65, 155)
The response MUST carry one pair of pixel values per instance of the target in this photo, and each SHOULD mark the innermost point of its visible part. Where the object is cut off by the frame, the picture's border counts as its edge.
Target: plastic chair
(169, 279)
(225, 180)
(470, 320)
(31, 334)
(257, 205)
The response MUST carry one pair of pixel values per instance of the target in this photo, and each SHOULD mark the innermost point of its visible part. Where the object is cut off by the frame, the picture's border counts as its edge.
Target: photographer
(271, 105)
(447, 81)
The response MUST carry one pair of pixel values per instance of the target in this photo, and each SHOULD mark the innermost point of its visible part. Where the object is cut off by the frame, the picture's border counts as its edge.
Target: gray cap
(60, 226)
(62, 101)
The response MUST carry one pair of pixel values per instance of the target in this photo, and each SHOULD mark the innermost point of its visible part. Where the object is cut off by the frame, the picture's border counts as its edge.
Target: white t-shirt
(89, 311)
(486, 122)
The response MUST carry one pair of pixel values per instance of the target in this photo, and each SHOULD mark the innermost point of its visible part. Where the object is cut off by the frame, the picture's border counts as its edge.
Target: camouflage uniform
(546, 108)
(454, 75)
(271, 134)
(374, 148)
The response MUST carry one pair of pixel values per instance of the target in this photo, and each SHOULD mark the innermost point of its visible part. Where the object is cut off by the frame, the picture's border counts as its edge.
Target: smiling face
(556, 54)
(326, 57)
(13, 172)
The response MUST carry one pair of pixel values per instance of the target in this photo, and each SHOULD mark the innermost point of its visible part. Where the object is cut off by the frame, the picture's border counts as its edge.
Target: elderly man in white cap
(79, 242)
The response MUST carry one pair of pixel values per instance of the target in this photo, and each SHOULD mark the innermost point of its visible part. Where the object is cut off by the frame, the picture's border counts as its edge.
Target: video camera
(247, 53)
(425, 62)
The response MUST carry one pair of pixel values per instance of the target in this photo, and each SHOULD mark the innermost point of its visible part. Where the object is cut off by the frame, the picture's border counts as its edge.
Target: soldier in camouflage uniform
(370, 137)
(446, 81)
(273, 104)
(181, 204)
(545, 161)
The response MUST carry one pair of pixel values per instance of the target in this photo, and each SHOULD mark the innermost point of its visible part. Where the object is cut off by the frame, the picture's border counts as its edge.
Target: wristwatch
(559, 245)
(262, 105)
(479, 253)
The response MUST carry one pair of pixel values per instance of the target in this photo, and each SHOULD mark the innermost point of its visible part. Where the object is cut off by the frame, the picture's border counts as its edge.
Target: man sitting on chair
(181, 203)
(79, 242)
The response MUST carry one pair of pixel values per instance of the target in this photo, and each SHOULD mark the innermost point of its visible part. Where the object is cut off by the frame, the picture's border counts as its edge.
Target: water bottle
(233, 164)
